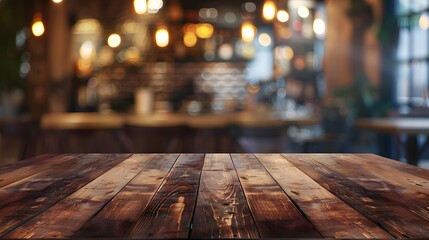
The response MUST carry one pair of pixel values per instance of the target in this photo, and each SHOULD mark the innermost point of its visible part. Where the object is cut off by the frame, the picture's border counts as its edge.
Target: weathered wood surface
(28, 199)
(222, 211)
(338, 220)
(275, 214)
(213, 196)
(392, 164)
(125, 208)
(169, 214)
(394, 217)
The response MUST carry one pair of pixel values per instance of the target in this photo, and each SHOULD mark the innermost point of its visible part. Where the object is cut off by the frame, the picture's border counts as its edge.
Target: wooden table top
(213, 196)
(397, 125)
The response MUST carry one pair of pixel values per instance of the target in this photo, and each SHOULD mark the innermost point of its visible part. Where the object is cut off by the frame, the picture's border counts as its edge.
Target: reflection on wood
(274, 213)
(170, 212)
(222, 211)
(396, 218)
(332, 217)
(197, 196)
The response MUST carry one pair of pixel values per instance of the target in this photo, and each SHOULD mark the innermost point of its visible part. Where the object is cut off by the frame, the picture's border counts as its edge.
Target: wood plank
(412, 194)
(18, 190)
(391, 216)
(379, 167)
(13, 166)
(169, 213)
(24, 205)
(222, 210)
(116, 218)
(80, 206)
(28, 170)
(406, 168)
(218, 162)
(274, 213)
(331, 216)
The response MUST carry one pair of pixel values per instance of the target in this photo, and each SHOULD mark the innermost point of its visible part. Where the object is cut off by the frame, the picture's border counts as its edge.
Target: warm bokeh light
(86, 50)
(248, 32)
(269, 10)
(114, 40)
(140, 6)
(189, 39)
(424, 21)
(319, 26)
(288, 52)
(204, 30)
(162, 37)
(226, 51)
(284, 52)
(303, 12)
(57, 1)
(282, 16)
(153, 6)
(264, 39)
(38, 28)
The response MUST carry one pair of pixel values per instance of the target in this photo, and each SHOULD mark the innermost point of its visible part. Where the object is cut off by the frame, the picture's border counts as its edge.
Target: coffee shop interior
(167, 76)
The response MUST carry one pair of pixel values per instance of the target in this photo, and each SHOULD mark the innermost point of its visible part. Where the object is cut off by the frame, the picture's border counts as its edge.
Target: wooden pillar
(337, 62)
(59, 57)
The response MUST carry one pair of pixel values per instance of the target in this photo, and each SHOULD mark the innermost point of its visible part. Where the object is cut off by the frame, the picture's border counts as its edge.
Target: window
(413, 52)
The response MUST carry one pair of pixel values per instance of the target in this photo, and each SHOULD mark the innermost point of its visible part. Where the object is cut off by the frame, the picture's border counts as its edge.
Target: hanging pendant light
(140, 6)
(162, 37)
(37, 28)
(269, 10)
(248, 32)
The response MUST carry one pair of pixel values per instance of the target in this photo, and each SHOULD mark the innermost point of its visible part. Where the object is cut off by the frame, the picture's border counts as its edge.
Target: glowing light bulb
(319, 26)
(140, 6)
(57, 1)
(86, 49)
(114, 40)
(424, 21)
(190, 39)
(264, 39)
(248, 32)
(204, 30)
(154, 5)
(38, 28)
(269, 10)
(282, 16)
(162, 37)
(303, 12)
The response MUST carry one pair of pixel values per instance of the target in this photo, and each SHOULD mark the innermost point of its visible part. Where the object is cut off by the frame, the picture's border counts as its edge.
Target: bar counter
(245, 196)
(160, 119)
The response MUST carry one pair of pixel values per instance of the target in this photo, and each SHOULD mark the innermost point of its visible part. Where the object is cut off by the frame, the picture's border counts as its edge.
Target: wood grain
(24, 203)
(9, 167)
(392, 164)
(391, 216)
(405, 189)
(28, 170)
(86, 201)
(169, 213)
(332, 217)
(274, 213)
(222, 210)
(116, 218)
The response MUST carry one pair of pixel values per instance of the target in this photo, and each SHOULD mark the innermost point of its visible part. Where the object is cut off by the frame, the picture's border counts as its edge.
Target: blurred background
(329, 62)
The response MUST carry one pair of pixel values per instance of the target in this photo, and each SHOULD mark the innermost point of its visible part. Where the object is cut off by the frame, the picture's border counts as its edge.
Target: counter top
(213, 196)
